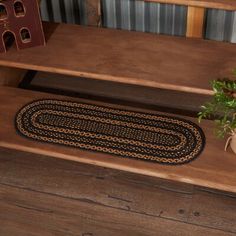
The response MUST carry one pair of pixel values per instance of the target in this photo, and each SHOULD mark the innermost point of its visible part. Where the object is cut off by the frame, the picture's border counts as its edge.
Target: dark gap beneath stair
(176, 102)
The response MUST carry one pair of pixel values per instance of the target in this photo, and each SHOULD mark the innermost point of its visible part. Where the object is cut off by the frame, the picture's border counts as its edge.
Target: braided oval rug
(144, 136)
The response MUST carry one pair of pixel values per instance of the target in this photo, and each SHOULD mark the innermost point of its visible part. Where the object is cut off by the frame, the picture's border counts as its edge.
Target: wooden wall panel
(195, 22)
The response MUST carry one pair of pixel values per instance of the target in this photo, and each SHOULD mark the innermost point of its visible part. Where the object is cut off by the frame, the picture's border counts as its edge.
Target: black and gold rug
(144, 136)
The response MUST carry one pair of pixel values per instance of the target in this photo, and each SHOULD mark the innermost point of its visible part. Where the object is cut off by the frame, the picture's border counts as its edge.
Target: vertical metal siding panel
(228, 27)
(215, 24)
(104, 13)
(76, 10)
(166, 19)
(173, 20)
(180, 21)
(56, 11)
(125, 14)
(81, 8)
(109, 11)
(132, 14)
(118, 14)
(139, 15)
(44, 11)
(50, 10)
(210, 24)
(145, 16)
(69, 11)
(220, 25)
(154, 17)
(63, 11)
(233, 35)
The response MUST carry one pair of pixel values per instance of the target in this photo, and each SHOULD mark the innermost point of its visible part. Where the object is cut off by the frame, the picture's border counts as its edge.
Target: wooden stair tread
(217, 4)
(128, 57)
(214, 168)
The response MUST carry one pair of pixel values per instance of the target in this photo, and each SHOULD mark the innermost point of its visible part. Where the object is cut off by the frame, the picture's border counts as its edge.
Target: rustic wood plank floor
(45, 196)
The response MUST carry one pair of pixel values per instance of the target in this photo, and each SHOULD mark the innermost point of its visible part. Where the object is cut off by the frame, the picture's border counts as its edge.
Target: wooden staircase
(133, 58)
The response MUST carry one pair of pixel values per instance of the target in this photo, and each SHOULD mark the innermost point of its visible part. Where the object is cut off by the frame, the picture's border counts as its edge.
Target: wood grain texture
(24, 211)
(46, 196)
(212, 209)
(214, 168)
(215, 4)
(11, 76)
(195, 22)
(128, 57)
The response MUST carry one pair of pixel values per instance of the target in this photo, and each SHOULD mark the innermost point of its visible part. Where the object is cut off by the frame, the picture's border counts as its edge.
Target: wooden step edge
(214, 168)
(198, 181)
(124, 80)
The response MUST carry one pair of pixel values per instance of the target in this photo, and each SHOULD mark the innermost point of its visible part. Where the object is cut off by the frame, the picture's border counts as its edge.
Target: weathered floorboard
(46, 196)
(44, 214)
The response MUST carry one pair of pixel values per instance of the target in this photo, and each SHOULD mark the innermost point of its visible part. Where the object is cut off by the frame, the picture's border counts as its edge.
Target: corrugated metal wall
(142, 16)
(146, 17)
(221, 25)
(70, 11)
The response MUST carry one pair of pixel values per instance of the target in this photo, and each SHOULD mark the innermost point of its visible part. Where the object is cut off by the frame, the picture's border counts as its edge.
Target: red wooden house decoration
(20, 22)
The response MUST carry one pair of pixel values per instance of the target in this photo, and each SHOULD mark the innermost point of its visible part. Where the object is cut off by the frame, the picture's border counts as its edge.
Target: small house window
(3, 12)
(8, 39)
(19, 8)
(25, 35)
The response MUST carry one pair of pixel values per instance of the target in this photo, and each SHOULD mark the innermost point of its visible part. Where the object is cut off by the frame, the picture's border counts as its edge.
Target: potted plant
(222, 108)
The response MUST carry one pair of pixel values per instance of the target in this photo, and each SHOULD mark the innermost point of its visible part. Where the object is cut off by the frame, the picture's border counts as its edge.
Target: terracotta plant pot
(233, 143)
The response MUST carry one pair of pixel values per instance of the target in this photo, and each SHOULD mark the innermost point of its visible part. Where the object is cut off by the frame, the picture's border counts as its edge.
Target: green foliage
(222, 108)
